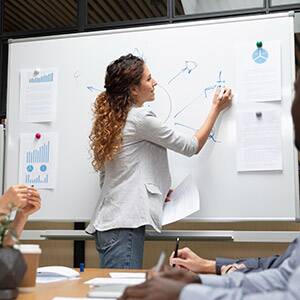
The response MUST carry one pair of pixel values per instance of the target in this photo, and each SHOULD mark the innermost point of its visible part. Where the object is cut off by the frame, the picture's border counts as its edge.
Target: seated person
(189, 260)
(26, 199)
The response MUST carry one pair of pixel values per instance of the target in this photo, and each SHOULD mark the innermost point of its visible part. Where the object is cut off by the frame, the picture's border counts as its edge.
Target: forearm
(197, 291)
(18, 223)
(249, 283)
(203, 132)
(209, 267)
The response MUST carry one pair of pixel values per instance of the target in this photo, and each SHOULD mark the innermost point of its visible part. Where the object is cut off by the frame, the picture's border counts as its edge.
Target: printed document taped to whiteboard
(38, 159)
(38, 92)
(258, 72)
(184, 201)
(259, 140)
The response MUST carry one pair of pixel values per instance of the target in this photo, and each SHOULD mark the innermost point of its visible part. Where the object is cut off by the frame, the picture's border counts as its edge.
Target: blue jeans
(121, 248)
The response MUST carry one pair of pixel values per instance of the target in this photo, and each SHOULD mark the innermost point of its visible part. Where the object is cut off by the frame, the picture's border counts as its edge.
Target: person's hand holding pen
(187, 259)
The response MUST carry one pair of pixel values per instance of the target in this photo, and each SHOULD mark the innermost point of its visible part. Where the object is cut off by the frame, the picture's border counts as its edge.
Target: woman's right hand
(222, 99)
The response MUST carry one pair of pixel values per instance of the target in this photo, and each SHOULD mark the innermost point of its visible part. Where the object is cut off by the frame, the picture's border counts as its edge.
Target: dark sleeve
(256, 264)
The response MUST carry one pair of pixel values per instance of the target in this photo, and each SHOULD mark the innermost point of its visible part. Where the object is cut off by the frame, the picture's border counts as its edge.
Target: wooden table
(67, 288)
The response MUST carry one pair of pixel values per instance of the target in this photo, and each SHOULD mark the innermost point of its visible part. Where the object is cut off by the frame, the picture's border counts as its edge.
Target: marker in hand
(220, 97)
(176, 250)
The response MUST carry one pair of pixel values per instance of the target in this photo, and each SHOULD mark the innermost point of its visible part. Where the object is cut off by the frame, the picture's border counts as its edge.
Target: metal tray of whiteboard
(107, 291)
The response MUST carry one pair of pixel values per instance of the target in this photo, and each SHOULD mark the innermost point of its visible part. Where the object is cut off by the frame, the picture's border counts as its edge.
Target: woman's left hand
(168, 199)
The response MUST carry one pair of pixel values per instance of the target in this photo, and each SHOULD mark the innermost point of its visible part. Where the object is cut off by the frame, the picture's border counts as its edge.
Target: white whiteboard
(81, 61)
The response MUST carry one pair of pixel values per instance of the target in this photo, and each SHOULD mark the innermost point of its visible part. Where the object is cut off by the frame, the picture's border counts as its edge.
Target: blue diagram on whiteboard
(212, 135)
(260, 55)
(165, 95)
(92, 89)
(37, 160)
(187, 69)
(219, 83)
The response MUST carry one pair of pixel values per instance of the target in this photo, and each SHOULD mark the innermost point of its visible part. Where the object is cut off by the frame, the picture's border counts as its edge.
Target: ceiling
(33, 15)
(39, 15)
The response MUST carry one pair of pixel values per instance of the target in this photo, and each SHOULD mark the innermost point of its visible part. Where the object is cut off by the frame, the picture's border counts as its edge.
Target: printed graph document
(38, 92)
(37, 159)
(259, 140)
(184, 202)
(258, 72)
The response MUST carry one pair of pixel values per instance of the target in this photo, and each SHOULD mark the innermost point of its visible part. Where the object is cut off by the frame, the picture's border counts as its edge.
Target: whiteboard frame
(180, 25)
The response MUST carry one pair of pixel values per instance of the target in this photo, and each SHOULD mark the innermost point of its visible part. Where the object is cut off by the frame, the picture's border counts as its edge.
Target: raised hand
(15, 196)
(222, 99)
(33, 202)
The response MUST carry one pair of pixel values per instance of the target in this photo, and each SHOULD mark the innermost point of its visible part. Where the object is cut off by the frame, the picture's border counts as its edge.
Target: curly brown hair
(112, 106)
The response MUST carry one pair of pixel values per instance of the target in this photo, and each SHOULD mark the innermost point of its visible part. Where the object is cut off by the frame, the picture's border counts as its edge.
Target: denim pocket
(106, 238)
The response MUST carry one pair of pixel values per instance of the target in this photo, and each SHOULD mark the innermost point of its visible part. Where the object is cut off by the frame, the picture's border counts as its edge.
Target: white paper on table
(49, 279)
(184, 200)
(127, 275)
(37, 159)
(107, 280)
(259, 140)
(258, 72)
(38, 93)
(80, 298)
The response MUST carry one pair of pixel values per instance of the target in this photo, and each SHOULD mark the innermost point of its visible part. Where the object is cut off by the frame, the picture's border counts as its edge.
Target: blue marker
(81, 267)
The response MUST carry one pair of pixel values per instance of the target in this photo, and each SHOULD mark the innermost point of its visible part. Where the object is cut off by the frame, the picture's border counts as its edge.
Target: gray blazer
(135, 183)
(276, 283)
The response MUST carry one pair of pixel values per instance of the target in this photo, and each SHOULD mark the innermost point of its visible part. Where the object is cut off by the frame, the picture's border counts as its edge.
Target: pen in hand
(158, 266)
(176, 250)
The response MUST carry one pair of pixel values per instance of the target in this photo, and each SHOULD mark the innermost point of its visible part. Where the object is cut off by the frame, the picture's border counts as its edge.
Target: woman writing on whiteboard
(129, 145)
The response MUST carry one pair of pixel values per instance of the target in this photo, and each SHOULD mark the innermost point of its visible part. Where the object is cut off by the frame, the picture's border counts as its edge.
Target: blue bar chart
(41, 155)
(43, 78)
(37, 160)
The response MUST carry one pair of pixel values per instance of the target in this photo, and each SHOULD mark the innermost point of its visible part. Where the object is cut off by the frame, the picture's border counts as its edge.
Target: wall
(61, 252)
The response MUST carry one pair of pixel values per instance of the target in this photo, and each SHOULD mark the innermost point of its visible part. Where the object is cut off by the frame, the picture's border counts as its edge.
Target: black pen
(176, 250)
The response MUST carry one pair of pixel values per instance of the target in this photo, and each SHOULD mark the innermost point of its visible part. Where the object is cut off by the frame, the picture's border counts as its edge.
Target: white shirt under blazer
(135, 183)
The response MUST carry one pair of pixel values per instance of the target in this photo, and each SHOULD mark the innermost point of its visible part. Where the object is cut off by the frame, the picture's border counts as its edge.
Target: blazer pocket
(155, 202)
(152, 188)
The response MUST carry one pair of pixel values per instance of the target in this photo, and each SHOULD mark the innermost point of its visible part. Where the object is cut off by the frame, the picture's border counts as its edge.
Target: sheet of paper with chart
(38, 159)
(258, 72)
(259, 140)
(38, 92)
(184, 201)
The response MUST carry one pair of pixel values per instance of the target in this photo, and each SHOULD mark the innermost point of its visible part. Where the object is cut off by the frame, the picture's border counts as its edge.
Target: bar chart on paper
(37, 160)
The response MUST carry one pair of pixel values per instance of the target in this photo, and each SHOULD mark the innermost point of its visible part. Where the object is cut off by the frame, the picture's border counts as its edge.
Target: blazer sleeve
(256, 264)
(196, 291)
(150, 128)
